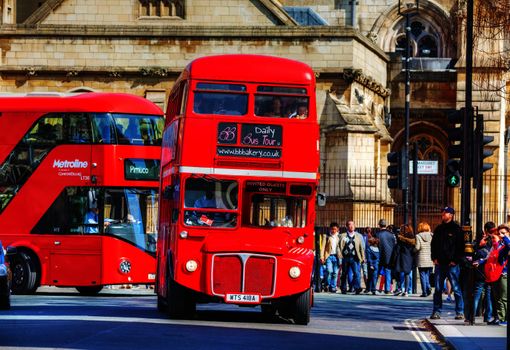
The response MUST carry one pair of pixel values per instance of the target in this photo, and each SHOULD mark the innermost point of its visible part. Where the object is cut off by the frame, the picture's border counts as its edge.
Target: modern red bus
(79, 177)
(238, 179)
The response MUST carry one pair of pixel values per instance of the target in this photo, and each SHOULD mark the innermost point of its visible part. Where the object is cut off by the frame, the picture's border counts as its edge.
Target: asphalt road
(128, 319)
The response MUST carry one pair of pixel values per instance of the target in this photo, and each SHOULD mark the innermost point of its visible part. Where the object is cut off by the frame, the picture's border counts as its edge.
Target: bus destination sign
(265, 186)
(141, 169)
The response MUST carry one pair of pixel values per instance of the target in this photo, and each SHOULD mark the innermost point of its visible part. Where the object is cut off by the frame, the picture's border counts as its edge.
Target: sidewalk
(461, 336)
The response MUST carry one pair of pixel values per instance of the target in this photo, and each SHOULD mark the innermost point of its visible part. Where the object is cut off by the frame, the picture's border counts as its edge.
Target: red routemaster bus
(238, 179)
(79, 177)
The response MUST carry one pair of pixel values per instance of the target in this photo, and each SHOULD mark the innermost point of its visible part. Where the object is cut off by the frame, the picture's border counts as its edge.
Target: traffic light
(480, 151)
(460, 138)
(398, 170)
(456, 134)
(453, 173)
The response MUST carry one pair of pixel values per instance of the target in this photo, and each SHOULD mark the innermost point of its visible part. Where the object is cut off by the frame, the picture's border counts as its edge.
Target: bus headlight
(125, 266)
(294, 272)
(191, 265)
(183, 234)
(301, 239)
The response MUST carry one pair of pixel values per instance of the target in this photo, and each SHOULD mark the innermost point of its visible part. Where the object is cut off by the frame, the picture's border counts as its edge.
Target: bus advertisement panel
(79, 177)
(239, 177)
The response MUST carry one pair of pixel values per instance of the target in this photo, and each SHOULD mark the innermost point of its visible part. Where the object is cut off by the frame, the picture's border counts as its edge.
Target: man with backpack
(447, 252)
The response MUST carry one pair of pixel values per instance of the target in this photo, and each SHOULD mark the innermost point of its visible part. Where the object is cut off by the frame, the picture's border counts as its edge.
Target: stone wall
(122, 50)
(127, 12)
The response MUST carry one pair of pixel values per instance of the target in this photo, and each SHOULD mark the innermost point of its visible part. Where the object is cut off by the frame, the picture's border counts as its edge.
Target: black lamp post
(407, 8)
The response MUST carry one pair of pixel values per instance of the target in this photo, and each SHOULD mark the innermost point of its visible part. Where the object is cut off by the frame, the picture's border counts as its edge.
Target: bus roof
(251, 68)
(80, 102)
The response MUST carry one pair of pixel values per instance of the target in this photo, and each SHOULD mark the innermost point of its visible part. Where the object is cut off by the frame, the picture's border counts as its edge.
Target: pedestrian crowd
(384, 259)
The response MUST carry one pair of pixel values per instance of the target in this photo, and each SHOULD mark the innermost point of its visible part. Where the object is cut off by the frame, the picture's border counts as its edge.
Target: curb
(437, 333)
(452, 337)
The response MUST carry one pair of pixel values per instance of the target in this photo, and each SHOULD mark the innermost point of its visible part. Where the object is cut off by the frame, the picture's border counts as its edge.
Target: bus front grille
(243, 273)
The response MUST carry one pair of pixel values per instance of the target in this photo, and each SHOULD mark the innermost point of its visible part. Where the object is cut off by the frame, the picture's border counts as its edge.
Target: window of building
(424, 41)
(161, 8)
(305, 16)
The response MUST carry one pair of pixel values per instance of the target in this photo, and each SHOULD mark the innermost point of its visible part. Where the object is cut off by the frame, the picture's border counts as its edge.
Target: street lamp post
(407, 8)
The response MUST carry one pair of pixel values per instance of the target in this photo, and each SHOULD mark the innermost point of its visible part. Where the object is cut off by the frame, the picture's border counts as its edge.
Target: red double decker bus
(239, 177)
(79, 177)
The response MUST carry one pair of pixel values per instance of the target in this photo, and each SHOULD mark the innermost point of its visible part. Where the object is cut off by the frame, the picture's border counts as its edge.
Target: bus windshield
(217, 197)
(139, 129)
(277, 211)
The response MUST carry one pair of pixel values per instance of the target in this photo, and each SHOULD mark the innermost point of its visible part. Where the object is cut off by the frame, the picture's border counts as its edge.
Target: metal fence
(363, 195)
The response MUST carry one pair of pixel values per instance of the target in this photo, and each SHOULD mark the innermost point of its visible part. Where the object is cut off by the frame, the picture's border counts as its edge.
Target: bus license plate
(242, 298)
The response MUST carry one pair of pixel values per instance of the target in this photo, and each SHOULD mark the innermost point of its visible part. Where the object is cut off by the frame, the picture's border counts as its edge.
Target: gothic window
(430, 187)
(424, 39)
(427, 47)
(161, 8)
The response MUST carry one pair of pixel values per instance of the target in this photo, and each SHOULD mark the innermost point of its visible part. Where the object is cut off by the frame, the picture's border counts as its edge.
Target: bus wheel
(5, 295)
(269, 310)
(179, 300)
(24, 274)
(89, 290)
(162, 306)
(302, 308)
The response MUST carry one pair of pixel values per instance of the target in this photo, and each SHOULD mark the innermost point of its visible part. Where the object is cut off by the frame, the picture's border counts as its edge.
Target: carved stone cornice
(350, 75)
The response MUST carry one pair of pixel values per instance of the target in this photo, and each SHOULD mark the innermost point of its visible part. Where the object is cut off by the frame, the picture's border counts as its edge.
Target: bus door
(75, 256)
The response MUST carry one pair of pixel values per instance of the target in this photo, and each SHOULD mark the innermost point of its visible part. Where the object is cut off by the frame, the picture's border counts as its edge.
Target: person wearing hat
(447, 252)
(387, 242)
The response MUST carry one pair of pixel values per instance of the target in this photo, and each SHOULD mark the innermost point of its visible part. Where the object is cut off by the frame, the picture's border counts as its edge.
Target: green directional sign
(453, 180)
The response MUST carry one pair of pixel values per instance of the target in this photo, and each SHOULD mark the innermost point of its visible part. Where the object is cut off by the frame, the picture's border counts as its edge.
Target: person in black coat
(405, 261)
(387, 242)
(447, 252)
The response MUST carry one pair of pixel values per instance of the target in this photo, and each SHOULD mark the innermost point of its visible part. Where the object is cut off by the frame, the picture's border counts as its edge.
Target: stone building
(140, 46)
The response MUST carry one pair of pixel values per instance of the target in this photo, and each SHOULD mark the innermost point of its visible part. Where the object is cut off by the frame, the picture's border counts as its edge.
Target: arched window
(431, 188)
(427, 47)
(424, 39)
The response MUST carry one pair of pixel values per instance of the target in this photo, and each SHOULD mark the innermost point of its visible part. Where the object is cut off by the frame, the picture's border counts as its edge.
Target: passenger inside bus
(300, 113)
(206, 201)
(276, 108)
(133, 132)
(91, 221)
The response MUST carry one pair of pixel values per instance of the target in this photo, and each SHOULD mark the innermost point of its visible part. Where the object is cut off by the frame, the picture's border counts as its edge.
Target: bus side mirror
(168, 192)
(321, 199)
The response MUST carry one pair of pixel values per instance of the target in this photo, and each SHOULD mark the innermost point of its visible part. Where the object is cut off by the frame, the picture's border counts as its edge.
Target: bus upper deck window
(139, 129)
(281, 102)
(222, 99)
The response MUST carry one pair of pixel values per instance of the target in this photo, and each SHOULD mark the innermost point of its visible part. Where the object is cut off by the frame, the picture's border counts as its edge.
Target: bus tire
(5, 297)
(162, 306)
(268, 310)
(24, 274)
(180, 302)
(89, 290)
(302, 308)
